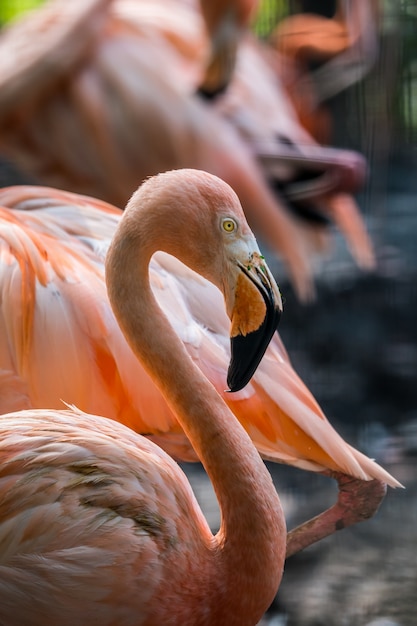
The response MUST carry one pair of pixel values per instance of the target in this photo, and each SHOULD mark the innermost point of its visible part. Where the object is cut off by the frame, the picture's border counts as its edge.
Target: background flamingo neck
(252, 538)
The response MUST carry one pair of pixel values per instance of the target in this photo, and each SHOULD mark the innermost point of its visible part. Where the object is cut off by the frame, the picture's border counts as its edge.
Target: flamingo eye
(229, 225)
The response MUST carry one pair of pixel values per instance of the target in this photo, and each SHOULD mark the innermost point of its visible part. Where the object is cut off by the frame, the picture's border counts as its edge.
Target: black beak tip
(247, 352)
(233, 387)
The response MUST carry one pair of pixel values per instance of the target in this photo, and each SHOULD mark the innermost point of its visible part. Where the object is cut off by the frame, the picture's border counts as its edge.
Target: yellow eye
(229, 225)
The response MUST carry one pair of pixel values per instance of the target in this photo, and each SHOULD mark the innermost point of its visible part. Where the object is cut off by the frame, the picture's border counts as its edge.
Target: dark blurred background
(355, 347)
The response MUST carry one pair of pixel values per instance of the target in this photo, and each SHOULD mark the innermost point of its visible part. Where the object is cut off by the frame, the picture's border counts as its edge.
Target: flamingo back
(89, 495)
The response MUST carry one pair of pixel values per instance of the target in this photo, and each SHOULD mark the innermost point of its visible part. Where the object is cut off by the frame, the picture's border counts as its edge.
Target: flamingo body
(55, 302)
(82, 502)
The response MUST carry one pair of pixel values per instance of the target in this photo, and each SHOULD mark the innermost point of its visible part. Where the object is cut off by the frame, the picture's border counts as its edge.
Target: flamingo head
(198, 218)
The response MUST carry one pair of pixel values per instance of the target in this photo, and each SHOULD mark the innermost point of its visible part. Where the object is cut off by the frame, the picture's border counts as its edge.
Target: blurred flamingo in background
(323, 56)
(102, 114)
(225, 23)
(97, 523)
(314, 182)
(54, 303)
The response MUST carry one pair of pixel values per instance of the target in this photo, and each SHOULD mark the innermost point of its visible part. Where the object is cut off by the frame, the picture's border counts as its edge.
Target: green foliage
(270, 12)
(10, 9)
(408, 71)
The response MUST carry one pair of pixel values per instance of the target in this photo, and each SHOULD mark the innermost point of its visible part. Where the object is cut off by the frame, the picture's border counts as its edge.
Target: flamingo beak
(256, 314)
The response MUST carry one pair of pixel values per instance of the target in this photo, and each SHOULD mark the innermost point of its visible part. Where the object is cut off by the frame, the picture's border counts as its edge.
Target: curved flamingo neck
(249, 549)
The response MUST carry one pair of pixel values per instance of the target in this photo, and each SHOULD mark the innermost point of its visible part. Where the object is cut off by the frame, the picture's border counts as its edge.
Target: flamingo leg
(358, 500)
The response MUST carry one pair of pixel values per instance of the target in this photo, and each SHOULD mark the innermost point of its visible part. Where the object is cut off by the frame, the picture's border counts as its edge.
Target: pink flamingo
(225, 21)
(344, 47)
(90, 107)
(54, 302)
(98, 525)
